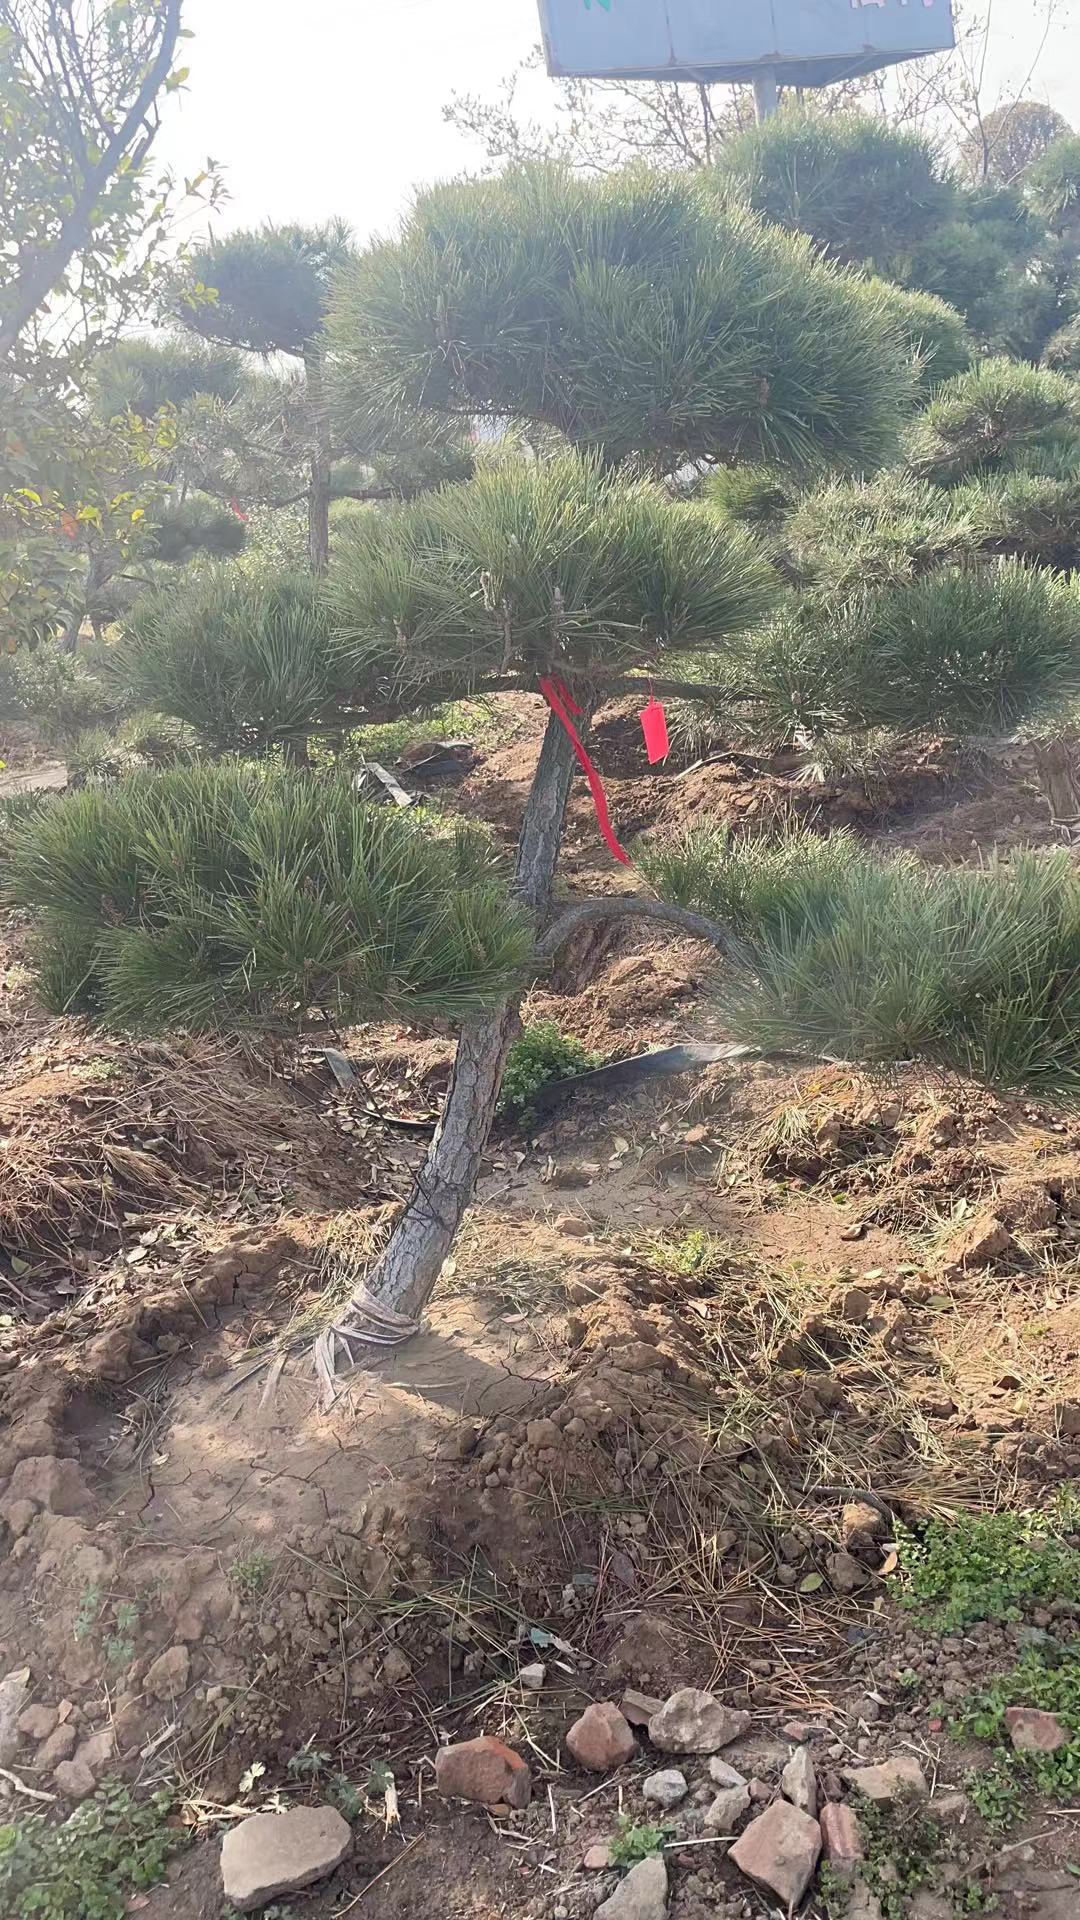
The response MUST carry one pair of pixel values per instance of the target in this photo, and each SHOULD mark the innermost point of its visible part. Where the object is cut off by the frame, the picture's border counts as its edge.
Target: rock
(58, 1746)
(574, 1227)
(1032, 1731)
(598, 1857)
(14, 1688)
(533, 1676)
(846, 1574)
(38, 1722)
(59, 1486)
(73, 1779)
(273, 1853)
(17, 1515)
(722, 1775)
(695, 1722)
(856, 1306)
(96, 1751)
(984, 1240)
(483, 1770)
(862, 1904)
(890, 1781)
(665, 1789)
(840, 1834)
(601, 1739)
(926, 1905)
(638, 1708)
(798, 1782)
(1068, 1417)
(863, 1525)
(169, 1673)
(543, 1433)
(953, 1807)
(396, 1668)
(109, 1355)
(779, 1850)
(641, 1896)
(728, 1807)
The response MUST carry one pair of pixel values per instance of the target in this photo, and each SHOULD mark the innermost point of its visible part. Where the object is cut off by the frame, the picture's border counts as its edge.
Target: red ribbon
(562, 705)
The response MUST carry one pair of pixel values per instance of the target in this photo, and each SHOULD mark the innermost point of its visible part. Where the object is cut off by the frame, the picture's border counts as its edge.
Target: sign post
(764, 43)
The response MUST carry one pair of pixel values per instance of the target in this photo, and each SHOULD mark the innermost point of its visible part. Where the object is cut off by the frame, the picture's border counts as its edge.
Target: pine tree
(641, 322)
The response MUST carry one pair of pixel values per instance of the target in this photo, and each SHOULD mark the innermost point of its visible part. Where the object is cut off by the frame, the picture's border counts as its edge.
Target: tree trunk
(1055, 768)
(387, 1306)
(319, 489)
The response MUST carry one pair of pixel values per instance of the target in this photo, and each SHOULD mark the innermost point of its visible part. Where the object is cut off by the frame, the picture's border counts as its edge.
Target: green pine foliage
(1062, 350)
(631, 312)
(144, 376)
(213, 896)
(974, 970)
(977, 650)
(247, 659)
(999, 411)
(862, 189)
(1052, 184)
(935, 334)
(857, 533)
(195, 524)
(264, 291)
(538, 567)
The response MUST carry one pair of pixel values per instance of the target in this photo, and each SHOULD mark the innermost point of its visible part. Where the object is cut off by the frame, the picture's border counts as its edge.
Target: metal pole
(765, 97)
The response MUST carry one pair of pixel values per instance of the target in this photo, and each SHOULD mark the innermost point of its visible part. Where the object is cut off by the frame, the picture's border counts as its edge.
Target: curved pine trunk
(403, 1277)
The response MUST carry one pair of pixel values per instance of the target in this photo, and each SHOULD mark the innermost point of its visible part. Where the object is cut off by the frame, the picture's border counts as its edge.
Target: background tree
(267, 293)
(1008, 140)
(82, 227)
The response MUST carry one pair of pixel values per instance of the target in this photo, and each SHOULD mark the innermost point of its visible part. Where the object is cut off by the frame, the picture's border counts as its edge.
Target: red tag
(654, 727)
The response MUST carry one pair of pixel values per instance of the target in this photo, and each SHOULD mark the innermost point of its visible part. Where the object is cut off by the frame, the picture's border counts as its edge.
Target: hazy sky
(320, 107)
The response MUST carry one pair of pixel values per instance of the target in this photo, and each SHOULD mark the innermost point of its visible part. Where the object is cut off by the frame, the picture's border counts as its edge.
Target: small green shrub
(693, 1255)
(540, 1054)
(62, 693)
(112, 1847)
(993, 1566)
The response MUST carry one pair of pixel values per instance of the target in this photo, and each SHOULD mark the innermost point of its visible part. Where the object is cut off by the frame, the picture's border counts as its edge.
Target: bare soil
(605, 1451)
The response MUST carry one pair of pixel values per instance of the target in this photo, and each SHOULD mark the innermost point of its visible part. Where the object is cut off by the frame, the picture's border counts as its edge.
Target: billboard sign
(802, 42)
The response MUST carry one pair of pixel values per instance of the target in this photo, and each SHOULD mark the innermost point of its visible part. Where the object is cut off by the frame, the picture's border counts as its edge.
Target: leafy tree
(80, 92)
(1005, 143)
(82, 224)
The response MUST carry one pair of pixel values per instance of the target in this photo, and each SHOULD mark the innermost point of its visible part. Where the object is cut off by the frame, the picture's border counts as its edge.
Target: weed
(250, 1573)
(693, 1255)
(635, 1840)
(87, 1611)
(541, 1053)
(987, 1567)
(996, 1794)
(347, 1799)
(112, 1846)
(903, 1846)
(308, 1764)
(1048, 1679)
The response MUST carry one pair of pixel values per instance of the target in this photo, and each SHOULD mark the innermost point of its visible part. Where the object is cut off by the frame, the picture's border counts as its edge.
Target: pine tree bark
(402, 1279)
(319, 488)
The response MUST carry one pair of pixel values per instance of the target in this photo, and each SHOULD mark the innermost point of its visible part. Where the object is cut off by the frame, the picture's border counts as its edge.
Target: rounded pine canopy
(635, 314)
